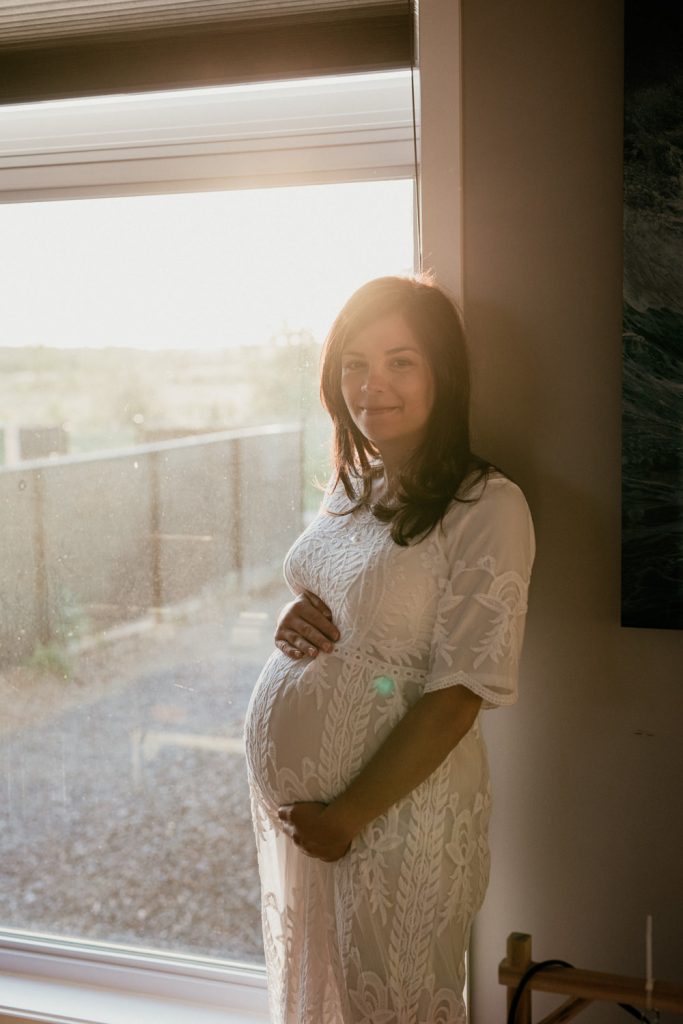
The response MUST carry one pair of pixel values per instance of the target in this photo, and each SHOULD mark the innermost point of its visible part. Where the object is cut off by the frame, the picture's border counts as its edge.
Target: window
(161, 341)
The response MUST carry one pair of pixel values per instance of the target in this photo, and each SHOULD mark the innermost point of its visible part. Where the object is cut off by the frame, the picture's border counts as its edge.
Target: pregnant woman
(367, 769)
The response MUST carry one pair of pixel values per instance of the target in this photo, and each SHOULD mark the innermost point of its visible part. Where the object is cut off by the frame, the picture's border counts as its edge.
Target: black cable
(638, 1014)
(543, 965)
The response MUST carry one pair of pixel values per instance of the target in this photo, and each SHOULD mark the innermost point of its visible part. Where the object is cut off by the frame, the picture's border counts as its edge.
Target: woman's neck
(385, 483)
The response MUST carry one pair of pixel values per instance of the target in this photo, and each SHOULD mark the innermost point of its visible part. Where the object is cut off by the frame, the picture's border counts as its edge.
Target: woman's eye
(401, 363)
(352, 365)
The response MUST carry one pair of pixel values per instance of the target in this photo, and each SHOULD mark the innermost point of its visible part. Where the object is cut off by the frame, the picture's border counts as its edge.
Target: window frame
(51, 979)
(342, 129)
(304, 132)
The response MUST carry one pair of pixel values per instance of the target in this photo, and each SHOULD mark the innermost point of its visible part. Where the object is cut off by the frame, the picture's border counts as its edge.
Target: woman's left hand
(316, 833)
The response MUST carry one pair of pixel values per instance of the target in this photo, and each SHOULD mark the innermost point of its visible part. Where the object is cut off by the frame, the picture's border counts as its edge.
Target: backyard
(126, 818)
(131, 637)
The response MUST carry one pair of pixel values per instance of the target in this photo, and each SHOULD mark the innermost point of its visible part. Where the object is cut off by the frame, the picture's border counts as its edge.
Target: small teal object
(384, 685)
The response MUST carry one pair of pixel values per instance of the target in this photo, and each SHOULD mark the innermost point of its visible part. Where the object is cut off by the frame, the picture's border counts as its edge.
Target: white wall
(587, 769)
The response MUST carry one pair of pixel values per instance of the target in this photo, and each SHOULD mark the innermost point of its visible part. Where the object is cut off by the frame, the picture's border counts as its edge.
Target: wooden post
(519, 957)
(42, 597)
(582, 986)
(239, 513)
(157, 582)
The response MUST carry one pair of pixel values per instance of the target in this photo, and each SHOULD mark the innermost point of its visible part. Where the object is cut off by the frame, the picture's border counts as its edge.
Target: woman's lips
(378, 410)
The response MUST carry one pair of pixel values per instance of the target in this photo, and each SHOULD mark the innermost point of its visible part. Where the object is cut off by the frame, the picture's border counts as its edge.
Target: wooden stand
(583, 987)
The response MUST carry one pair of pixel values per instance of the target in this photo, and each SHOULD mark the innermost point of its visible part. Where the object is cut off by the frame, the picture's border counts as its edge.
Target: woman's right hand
(305, 627)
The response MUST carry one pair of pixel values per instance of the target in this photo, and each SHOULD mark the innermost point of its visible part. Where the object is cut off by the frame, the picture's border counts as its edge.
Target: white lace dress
(379, 936)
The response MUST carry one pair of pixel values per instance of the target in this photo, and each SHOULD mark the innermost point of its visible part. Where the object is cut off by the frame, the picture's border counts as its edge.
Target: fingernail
(312, 652)
(328, 648)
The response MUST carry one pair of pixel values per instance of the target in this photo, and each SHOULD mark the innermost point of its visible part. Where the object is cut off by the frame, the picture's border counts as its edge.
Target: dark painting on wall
(652, 450)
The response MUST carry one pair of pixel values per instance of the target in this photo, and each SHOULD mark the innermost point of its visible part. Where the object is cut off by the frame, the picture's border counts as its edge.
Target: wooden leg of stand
(519, 956)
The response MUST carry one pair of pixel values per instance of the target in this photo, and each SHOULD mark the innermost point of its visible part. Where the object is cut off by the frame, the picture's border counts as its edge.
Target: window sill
(52, 981)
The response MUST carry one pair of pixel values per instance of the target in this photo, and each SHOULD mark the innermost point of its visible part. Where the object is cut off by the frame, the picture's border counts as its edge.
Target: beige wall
(587, 834)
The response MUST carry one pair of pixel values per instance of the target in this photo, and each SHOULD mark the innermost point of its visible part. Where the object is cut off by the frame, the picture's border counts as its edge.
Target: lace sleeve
(479, 627)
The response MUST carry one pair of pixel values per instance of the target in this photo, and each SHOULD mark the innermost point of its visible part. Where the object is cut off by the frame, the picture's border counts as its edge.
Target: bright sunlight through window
(160, 443)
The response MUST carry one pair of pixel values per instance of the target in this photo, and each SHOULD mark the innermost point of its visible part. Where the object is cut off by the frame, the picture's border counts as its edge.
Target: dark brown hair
(434, 474)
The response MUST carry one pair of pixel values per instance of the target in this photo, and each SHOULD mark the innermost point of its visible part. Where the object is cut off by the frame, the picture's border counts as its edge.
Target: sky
(204, 270)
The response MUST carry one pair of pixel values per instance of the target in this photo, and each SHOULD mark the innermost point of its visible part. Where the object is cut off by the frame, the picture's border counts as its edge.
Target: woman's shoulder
(494, 489)
(491, 502)
(334, 496)
(487, 486)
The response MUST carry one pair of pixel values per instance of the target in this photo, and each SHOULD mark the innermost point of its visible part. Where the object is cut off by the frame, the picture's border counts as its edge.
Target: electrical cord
(543, 965)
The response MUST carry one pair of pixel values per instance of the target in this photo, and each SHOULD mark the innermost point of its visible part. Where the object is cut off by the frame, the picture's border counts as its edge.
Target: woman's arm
(489, 545)
(414, 749)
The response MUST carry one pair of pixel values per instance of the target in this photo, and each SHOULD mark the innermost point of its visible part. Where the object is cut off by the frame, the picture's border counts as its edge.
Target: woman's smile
(378, 410)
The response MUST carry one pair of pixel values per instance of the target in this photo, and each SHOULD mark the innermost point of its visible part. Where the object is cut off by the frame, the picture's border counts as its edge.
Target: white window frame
(347, 128)
(59, 980)
(311, 131)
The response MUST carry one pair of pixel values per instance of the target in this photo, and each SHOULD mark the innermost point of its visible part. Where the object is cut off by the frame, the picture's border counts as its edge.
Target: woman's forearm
(411, 752)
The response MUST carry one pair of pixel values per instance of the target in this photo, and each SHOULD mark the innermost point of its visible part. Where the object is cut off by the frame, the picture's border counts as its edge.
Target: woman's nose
(373, 381)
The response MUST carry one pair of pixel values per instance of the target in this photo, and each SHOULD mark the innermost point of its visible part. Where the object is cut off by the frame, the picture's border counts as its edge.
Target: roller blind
(57, 49)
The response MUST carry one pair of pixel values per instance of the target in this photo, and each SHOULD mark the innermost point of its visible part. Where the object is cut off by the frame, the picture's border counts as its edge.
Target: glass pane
(160, 441)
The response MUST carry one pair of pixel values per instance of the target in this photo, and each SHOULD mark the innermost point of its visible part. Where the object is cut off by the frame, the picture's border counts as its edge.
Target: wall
(587, 826)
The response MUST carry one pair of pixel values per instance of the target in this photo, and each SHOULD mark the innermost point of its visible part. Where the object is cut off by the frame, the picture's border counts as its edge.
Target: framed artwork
(652, 446)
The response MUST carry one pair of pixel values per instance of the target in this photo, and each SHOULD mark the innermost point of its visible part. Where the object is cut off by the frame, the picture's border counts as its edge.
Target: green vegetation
(51, 657)
(70, 622)
(115, 397)
(110, 397)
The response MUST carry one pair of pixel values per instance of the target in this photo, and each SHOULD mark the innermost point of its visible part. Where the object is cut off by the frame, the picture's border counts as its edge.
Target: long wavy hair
(443, 467)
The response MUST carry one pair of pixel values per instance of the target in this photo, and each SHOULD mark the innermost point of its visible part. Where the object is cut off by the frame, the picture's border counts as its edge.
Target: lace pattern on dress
(379, 936)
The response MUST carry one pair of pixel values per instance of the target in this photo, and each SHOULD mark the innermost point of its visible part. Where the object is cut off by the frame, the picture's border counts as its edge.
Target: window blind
(59, 49)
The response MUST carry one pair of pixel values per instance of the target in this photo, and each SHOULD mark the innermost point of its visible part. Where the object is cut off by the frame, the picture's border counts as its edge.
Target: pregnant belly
(312, 724)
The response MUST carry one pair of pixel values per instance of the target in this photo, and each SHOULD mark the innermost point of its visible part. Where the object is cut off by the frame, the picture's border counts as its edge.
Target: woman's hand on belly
(305, 627)
(315, 833)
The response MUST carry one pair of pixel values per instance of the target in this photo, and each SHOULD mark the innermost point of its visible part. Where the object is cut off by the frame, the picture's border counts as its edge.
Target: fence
(110, 536)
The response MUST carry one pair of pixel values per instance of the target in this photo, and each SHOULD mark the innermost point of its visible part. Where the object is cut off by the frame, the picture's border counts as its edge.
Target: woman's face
(388, 385)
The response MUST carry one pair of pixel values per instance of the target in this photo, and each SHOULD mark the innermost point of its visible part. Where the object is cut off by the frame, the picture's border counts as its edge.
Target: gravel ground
(127, 814)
